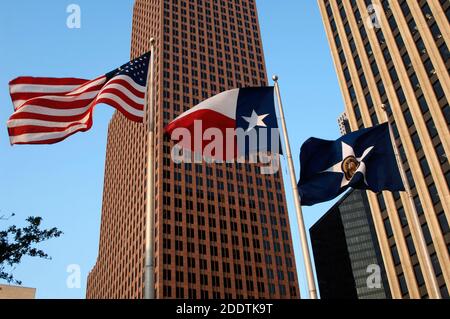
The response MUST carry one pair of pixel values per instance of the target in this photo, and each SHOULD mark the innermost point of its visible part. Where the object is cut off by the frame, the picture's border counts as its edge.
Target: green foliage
(16, 243)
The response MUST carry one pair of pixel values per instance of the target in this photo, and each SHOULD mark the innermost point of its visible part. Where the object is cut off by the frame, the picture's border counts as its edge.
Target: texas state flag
(233, 124)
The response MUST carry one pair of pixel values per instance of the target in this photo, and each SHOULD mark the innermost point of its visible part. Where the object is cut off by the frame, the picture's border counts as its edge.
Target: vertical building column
(427, 143)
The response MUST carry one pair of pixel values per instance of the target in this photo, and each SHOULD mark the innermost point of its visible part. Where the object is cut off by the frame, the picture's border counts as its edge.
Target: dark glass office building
(346, 251)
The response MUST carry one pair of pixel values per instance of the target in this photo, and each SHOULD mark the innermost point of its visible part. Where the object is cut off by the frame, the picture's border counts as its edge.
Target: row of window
(204, 294)
(401, 97)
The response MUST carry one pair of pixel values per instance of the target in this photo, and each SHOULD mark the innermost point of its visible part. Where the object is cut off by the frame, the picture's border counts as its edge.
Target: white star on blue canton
(255, 120)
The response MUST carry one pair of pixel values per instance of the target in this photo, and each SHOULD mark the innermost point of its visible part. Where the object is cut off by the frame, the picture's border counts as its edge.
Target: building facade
(221, 230)
(16, 292)
(347, 256)
(396, 53)
(344, 124)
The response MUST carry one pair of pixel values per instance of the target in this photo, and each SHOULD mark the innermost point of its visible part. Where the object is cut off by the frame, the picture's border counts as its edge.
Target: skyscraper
(221, 231)
(344, 242)
(344, 124)
(346, 251)
(396, 53)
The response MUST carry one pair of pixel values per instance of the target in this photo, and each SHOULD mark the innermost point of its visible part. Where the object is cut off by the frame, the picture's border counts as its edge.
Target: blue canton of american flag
(136, 69)
(48, 110)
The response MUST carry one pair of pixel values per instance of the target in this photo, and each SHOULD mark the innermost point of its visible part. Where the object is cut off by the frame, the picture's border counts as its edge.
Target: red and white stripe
(218, 113)
(48, 110)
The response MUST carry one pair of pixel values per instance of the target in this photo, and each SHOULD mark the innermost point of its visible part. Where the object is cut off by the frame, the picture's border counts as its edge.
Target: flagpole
(149, 285)
(298, 207)
(415, 222)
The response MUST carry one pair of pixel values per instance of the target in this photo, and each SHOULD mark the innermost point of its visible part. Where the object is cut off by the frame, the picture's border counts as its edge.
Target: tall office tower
(347, 256)
(396, 53)
(344, 124)
(221, 231)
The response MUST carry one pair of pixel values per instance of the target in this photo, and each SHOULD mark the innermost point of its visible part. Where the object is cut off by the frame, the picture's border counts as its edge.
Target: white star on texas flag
(348, 152)
(255, 120)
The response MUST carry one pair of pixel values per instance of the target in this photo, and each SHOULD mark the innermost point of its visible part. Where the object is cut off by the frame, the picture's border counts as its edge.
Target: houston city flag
(230, 125)
(363, 159)
(48, 110)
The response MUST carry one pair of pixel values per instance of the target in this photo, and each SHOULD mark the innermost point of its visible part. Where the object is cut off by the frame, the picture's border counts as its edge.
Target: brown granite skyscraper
(221, 231)
(396, 52)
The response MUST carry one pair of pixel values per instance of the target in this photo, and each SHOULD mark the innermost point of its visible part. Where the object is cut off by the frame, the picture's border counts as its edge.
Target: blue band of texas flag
(248, 113)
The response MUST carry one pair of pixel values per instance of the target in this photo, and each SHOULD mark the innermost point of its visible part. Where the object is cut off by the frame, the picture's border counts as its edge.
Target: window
(388, 228)
(446, 112)
(401, 96)
(394, 75)
(427, 234)
(402, 217)
(352, 93)
(425, 167)
(445, 53)
(395, 255)
(436, 265)
(419, 276)
(429, 67)
(438, 90)
(347, 75)
(410, 244)
(423, 104)
(374, 118)
(375, 69)
(406, 60)
(414, 81)
(357, 63)
(402, 283)
(444, 292)
(443, 223)
(381, 202)
(434, 194)
(416, 141)
(381, 88)
(418, 205)
(408, 117)
(447, 178)
(357, 113)
(431, 128)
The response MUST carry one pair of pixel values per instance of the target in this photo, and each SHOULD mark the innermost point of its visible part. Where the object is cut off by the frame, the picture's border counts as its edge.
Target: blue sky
(63, 183)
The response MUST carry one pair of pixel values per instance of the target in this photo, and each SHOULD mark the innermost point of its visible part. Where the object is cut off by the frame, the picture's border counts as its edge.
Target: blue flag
(362, 160)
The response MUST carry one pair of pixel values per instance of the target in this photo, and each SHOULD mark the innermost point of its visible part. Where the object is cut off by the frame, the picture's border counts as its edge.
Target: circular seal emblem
(349, 167)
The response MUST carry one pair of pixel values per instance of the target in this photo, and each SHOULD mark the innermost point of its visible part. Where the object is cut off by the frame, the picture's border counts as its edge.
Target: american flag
(48, 110)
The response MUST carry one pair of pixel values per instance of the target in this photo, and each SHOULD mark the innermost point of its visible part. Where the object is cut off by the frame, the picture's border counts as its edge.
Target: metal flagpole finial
(275, 78)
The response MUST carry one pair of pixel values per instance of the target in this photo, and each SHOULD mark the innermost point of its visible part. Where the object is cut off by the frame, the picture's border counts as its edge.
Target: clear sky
(63, 183)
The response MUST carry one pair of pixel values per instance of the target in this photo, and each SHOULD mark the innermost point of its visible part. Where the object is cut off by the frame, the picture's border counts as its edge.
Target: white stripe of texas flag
(224, 103)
